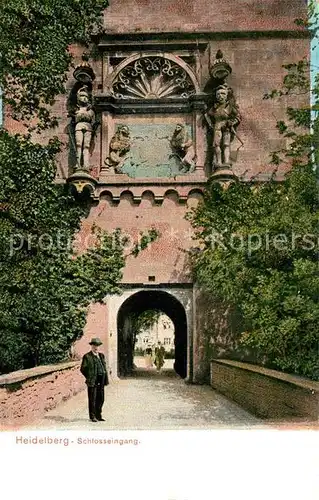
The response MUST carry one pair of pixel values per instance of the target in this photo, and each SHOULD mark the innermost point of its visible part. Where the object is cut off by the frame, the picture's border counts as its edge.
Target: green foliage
(144, 241)
(296, 129)
(138, 351)
(258, 252)
(301, 129)
(145, 320)
(34, 50)
(258, 244)
(170, 354)
(45, 287)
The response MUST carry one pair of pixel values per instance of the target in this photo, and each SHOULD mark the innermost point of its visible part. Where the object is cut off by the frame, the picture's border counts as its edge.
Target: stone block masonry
(26, 395)
(201, 15)
(269, 394)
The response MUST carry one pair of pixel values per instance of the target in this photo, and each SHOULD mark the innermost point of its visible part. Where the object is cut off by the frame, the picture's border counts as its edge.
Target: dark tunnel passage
(137, 304)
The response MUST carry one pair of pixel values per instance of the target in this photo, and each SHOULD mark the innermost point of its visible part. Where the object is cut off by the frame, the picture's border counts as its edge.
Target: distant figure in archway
(148, 356)
(159, 356)
(136, 304)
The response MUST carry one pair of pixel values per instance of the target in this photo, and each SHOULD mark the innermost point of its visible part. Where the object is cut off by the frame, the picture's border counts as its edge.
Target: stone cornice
(158, 188)
(106, 102)
(159, 286)
(114, 42)
(118, 43)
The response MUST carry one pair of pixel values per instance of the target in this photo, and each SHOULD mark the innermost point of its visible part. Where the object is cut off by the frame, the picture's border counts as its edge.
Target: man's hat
(96, 341)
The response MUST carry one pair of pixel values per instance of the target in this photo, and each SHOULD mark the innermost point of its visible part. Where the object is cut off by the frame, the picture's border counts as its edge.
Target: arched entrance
(138, 303)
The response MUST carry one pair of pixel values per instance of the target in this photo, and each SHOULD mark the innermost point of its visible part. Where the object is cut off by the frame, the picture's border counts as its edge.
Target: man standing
(93, 368)
(159, 356)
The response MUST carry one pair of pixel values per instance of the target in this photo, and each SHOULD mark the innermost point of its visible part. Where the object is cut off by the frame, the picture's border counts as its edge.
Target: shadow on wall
(219, 327)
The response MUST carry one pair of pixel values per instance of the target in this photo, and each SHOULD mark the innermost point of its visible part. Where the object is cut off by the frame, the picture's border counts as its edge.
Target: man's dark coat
(89, 368)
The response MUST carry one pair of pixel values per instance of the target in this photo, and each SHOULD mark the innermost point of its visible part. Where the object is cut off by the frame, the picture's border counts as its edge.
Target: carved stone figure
(119, 147)
(182, 146)
(84, 118)
(223, 119)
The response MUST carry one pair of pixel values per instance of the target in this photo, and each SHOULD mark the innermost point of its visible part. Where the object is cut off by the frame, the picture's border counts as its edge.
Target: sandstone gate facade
(159, 65)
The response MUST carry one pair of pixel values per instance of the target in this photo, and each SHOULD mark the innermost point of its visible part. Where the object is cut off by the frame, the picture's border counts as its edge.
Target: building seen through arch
(170, 307)
(162, 330)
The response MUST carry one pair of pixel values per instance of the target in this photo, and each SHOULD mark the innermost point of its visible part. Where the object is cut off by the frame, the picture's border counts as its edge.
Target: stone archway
(139, 302)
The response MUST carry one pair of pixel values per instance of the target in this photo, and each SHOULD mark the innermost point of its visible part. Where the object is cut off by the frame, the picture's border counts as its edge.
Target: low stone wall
(26, 394)
(267, 393)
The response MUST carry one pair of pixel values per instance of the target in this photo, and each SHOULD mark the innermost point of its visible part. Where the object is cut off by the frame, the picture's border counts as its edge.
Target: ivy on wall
(45, 286)
(258, 244)
(35, 51)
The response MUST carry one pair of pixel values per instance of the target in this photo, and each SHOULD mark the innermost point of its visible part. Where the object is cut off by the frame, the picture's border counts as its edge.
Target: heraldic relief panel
(152, 144)
(153, 120)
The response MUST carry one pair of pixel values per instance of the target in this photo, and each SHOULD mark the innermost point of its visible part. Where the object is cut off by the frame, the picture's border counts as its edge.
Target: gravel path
(149, 400)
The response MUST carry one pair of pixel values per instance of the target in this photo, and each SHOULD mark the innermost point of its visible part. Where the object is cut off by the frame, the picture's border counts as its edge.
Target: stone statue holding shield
(223, 118)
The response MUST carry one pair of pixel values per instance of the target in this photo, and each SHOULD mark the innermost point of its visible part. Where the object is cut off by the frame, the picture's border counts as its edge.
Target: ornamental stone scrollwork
(220, 69)
(119, 147)
(182, 146)
(222, 116)
(152, 78)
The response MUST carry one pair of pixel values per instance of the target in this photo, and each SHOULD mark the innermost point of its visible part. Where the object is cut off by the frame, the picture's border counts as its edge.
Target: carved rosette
(152, 78)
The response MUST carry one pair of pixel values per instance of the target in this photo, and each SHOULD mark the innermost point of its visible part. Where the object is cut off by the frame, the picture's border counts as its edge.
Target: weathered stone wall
(266, 393)
(164, 259)
(256, 56)
(26, 395)
(257, 69)
(256, 38)
(96, 326)
(217, 332)
(133, 16)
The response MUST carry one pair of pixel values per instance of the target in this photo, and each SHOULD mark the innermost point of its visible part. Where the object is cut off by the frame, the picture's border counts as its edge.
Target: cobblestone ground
(150, 401)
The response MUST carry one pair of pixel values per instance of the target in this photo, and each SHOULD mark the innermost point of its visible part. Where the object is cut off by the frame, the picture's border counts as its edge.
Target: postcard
(158, 223)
